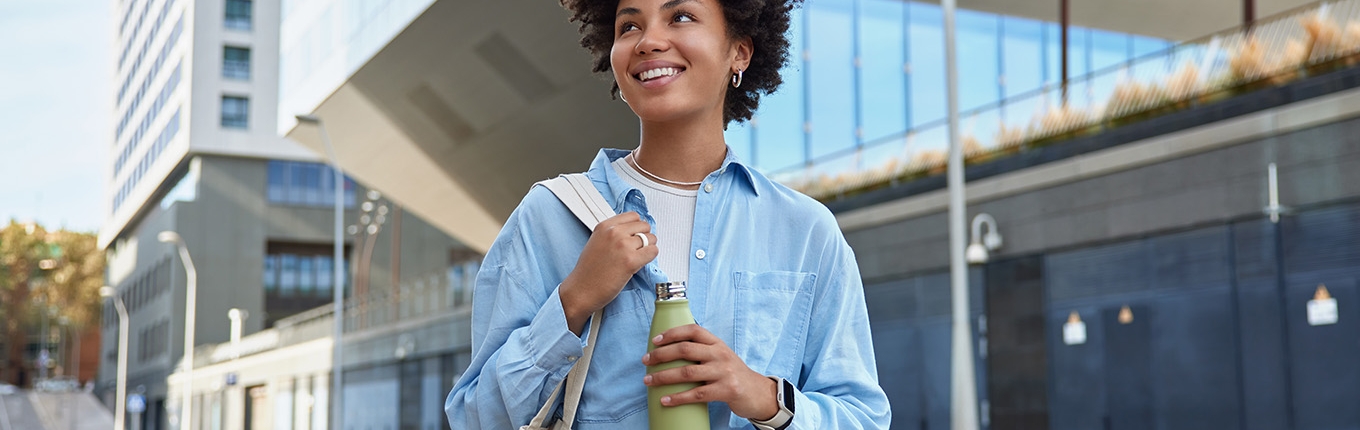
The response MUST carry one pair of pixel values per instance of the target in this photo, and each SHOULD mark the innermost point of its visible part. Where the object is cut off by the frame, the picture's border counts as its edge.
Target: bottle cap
(670, 290)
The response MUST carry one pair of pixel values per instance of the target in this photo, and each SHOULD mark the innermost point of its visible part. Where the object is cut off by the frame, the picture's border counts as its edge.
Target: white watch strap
(782, 416)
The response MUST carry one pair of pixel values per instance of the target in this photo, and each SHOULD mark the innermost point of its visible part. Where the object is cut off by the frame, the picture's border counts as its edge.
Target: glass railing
(423, 297)
(427, 296)
(1306, 41)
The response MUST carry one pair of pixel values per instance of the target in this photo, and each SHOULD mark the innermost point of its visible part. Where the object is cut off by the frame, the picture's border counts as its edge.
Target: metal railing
(1305, 41)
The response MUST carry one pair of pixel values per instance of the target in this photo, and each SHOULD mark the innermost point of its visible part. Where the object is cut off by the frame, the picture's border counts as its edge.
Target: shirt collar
(618, 188)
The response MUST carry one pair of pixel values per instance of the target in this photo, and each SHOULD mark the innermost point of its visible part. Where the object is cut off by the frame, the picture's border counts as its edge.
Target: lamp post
(120, 400)
(337, 272)
(963, 401)
(190, 291)
(371, 220)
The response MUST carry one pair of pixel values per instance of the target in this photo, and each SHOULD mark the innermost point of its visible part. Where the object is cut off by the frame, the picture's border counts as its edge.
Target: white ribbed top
(673, 210)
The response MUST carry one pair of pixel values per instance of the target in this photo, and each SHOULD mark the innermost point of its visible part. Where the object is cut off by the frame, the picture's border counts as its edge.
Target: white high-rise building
(193, 77)
(196, 151)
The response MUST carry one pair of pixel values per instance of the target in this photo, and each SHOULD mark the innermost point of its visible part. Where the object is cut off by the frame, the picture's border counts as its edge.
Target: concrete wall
(1316, 165)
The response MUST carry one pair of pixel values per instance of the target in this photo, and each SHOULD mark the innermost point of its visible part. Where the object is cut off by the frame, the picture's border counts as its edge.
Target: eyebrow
(664, 6)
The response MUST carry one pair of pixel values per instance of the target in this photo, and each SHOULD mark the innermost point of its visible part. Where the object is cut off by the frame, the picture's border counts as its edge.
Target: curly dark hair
(764, 21)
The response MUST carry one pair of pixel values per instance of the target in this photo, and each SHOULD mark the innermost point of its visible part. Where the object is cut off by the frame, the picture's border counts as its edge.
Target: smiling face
(673, 59)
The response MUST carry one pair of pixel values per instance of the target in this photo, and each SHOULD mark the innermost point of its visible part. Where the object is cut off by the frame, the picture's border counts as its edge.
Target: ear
(742, 50)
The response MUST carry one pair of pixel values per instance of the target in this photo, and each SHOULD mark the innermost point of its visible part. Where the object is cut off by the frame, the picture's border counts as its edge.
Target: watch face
(788, 395)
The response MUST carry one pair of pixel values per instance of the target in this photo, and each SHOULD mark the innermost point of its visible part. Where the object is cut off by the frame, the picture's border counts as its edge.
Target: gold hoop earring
(736, 79)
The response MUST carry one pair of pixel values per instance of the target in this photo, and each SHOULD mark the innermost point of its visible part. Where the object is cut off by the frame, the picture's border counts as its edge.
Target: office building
(196, 152)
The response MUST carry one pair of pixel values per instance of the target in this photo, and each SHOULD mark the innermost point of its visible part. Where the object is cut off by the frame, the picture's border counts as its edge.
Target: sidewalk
(56, 411)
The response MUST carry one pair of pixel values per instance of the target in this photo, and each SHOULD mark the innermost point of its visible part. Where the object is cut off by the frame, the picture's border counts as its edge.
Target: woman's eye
(626, 27)
(684, 18)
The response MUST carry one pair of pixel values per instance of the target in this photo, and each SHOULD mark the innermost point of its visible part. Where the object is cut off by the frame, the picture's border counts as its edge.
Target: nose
(652, 41)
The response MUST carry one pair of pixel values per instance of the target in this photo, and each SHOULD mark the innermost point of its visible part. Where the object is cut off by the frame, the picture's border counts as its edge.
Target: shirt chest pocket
(771, 319)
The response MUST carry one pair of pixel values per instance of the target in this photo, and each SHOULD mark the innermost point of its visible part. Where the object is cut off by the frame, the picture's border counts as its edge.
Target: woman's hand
(725, 377)
(611, 256)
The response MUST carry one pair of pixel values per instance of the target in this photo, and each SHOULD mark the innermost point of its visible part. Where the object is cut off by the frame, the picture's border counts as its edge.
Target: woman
(773, 286)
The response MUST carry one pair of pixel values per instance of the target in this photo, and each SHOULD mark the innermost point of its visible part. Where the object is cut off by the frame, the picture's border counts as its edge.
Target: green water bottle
(672, 310)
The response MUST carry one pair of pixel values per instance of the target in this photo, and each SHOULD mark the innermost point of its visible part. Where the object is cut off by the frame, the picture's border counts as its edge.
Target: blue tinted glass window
(883, 90)
(1108, 49)
(926, 46)
(349, 193)
(271, 273)
(235, 112)
(831, 68)
(1052, 53)
(311, 184)
(288, 274)
(738, 137)
(297, 183)
(236, 63)
(277, 181)
(327, 186)
(779, 123)
(1022, 56)
(324, 275)
(1078, 50)
(238, 14)
(306, 276)
(977, 56)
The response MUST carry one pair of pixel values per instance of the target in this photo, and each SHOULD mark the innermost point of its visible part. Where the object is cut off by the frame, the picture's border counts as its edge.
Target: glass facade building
(885, 60)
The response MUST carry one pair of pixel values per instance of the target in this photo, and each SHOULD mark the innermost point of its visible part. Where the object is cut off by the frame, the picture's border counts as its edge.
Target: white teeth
(656, 73)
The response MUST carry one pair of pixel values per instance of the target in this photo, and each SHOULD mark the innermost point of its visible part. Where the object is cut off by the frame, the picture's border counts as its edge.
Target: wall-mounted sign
(1322, 309)
(1074, 331)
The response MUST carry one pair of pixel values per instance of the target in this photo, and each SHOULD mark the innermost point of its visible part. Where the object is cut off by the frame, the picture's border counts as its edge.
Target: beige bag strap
(584, 200)
(576, 382)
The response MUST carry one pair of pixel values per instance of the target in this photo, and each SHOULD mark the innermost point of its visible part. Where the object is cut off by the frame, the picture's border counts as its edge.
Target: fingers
(682, 374)
(689, 351)
(700, 394)
(688, 332)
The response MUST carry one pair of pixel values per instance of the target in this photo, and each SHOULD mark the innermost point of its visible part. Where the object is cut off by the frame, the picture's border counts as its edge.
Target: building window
(236, 63)
(238, 14)
(235, 112)
(304, 184)
(462, 276)
(297, 277)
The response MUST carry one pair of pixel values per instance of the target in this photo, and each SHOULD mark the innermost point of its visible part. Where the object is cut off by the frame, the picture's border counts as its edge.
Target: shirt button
(708, 188)
(699, 254)
(571, 358)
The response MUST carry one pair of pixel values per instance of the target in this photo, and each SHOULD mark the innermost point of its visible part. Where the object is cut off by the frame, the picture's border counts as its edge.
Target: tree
(39, 270)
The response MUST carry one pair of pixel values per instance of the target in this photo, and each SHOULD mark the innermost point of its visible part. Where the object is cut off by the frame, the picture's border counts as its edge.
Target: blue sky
(56, 109)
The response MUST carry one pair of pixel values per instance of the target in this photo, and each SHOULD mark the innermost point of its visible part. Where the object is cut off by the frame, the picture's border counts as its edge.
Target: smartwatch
(784, 394)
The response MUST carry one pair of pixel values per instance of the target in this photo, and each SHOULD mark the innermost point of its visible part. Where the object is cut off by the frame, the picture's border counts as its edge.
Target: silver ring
(645, 241)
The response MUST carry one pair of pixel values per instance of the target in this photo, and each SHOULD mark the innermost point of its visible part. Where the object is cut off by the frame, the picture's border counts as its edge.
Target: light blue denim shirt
(770, 274)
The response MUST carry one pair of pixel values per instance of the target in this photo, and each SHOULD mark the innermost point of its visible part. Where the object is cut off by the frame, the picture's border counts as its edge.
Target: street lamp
(338, 286)
(978, 249)
(963, 390)
(120, 400)
(190, 291)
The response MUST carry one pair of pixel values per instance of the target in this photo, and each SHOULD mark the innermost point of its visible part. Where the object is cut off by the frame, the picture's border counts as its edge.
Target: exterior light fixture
(979, 250)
